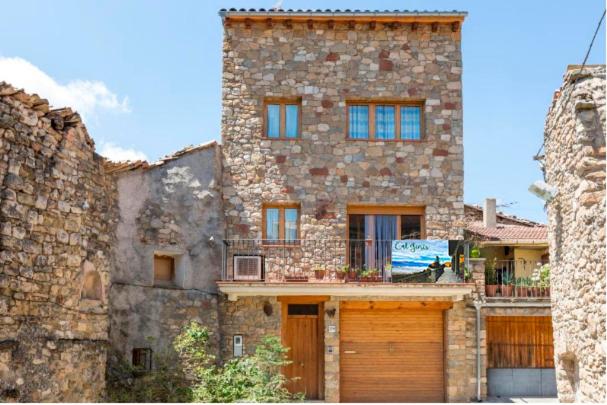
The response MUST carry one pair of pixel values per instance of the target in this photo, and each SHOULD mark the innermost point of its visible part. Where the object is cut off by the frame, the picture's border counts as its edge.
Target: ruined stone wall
(574, 143)
(56, 228)
(172, 208)
(322, 170)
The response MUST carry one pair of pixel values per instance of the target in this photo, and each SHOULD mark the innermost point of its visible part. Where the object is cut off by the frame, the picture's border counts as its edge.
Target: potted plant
(544, 280)
(522, 288)
(490, 282)
(370, 275)
(319, 273)
(475, 252)
(506, 287)
(352, 274)
(341, 272)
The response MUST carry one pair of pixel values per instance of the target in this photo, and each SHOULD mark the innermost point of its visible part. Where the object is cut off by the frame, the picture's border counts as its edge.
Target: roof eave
(392, 16)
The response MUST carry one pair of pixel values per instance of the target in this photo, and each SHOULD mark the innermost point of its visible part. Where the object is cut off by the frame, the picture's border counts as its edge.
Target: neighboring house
(511, 245)
(574, 168)
(341, 132)
(516, 312)
(167, 254)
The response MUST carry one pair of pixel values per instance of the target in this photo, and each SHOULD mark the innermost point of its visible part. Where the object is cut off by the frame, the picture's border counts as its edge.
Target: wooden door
(302, 334)
(520, 342)
(391, 353)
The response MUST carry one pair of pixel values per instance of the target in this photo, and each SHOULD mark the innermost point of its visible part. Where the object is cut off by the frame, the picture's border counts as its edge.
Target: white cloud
(84, 96)
(119, 154)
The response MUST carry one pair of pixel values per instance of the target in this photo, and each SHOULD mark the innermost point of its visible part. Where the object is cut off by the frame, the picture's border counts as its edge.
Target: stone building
(342, 131)
(57, 222)
(167, 252)
(574, 165)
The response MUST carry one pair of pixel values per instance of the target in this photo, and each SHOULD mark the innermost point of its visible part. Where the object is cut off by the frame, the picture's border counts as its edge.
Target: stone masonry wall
(322, 170)
(574, 143)
(172, 207)
(56, 227)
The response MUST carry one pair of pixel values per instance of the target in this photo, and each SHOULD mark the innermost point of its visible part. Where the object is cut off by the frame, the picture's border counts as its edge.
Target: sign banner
(413, 255)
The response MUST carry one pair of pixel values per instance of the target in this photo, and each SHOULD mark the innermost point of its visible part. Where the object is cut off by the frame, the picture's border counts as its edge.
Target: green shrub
(195, 376)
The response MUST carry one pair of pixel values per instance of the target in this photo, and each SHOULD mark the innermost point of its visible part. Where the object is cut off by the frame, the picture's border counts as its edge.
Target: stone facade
(173, 208)
(57, 222)
(325, 67)
(251, 317)
(574, 164)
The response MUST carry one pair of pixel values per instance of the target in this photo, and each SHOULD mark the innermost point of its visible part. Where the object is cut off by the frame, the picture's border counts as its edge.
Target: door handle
(301, 364)
(349, 352)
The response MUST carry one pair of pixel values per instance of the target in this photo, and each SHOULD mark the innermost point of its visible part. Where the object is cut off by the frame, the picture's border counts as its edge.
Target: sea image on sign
(411, 256)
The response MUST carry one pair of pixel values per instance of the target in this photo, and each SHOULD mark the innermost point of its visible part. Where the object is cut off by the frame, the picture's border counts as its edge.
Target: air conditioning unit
(247, 268)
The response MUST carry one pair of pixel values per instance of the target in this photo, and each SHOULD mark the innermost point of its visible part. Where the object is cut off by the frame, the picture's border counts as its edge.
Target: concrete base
(521, 382)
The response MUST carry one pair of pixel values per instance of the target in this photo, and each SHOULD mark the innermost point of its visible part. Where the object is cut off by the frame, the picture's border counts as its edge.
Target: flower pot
(352, 276)
(340, 275)
(535, 292)
(491, 290)
(507, 290)
(522, 291)
(319, 274)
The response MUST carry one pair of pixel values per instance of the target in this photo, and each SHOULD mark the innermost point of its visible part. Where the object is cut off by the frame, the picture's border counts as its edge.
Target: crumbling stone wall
(172, 207)
(574, 163)
(322, 170)
(56, 229)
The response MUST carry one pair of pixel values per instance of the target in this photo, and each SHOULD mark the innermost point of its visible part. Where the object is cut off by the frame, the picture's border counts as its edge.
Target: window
(371, 231)
(385, 121)
(283, 119)
(91, 288)
(142, 358)
(281, 223)
(164, 270)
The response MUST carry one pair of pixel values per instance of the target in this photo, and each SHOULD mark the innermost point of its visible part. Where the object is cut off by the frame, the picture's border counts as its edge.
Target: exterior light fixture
(543, 190)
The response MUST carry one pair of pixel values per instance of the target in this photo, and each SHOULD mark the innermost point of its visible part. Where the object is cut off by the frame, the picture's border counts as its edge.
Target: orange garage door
(391, 352)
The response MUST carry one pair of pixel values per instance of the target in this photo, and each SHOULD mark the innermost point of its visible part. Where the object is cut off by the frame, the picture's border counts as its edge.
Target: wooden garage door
(391, 352)
(520, 342)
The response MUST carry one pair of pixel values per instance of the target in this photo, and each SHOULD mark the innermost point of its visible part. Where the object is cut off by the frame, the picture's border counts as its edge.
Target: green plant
(343, 269)
(490, 276)
(475, 252)
(541, 276)
(196, 377)
(507, 278)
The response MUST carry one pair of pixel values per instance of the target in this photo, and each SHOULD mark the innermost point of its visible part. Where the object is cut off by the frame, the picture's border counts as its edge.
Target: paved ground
(447, 277)
(521, 400)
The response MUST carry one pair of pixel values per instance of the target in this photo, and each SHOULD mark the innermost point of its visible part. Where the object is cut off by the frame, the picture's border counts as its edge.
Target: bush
(197, 378)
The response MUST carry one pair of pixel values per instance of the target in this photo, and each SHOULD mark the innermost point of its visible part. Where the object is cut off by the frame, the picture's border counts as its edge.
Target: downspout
(478, 305)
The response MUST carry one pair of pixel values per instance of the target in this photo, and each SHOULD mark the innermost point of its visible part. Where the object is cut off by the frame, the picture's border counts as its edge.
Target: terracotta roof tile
(509, 232)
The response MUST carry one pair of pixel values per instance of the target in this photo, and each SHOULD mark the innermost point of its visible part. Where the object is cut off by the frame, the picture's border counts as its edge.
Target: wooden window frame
(282, 102)
(397, 104)
(399, 211)
(281, 206)
(171, 282)
(137, 353)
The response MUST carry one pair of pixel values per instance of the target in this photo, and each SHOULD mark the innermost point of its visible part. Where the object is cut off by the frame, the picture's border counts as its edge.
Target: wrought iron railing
(517, 279)
(327, 260)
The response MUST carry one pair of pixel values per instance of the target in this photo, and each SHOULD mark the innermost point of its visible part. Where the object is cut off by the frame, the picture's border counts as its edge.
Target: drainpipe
(477, 305)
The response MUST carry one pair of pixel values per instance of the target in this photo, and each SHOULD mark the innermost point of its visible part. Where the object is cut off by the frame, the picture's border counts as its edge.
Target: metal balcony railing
(517, 279)
(326, 260)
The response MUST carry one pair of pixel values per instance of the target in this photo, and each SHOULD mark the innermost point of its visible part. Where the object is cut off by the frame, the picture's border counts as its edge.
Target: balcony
(507, 280)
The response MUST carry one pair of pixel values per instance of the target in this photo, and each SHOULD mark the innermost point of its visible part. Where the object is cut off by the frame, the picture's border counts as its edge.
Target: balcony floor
(235, 289)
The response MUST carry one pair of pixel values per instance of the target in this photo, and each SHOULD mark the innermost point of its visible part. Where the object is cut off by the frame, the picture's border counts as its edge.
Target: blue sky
(147, 74)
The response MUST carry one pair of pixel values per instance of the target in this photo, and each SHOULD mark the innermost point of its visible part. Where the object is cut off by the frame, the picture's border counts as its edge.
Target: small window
(164, 269)
(283, 120)
(410, 122)
(281, 223)
(410, 227)
(91, 288)
(358, 121)
(142, 358)
(385, 121)
(303, 309)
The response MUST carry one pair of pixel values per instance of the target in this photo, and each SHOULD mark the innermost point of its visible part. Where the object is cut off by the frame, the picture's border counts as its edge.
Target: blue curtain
(292, 117)
(273, 121)
(291, 223)
(272, 223)
(384, 122)
(385, 233)
(410, 122)
(358, 121)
